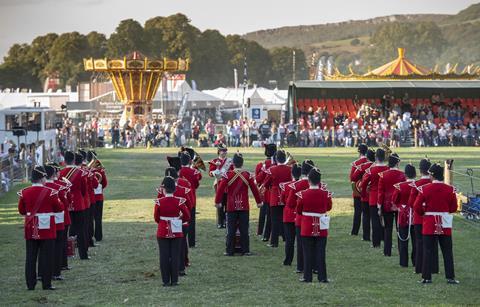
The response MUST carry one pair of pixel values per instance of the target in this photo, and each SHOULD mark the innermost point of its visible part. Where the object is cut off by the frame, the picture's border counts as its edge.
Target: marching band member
(79, 193)
(370, 185)
(313, 205)
(436, 202)
(292, 198)
(357, 201)
(276, 175)
(417, 219)
(357, 178)
(386, 186)
(236, 184)
(405, 215)
(180, 192)
(169, 214)
(264, 220)
(61, 219)
(101, 176)
(289, 215)
(193, 176)
(217, 168)
(92, 184)
(39, 204)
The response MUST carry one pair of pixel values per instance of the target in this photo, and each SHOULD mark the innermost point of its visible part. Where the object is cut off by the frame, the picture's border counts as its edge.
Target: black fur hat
(307, 165)
(371, 155)
(185, 158)
(314, 176)
(171, 172)
(380, 155)
(69, 157)
(38, 173)
(280, 156)
(436, 171)
(410, 171)
(425, 165)
(168, 184)
(78, 159)
(270, 150)
(49, 170)
(174, 162)
(296, 171)
(393, 159)
(237, 160)
(362, 149)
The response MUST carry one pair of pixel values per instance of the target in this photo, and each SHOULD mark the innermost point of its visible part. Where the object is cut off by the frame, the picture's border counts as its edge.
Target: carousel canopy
(401, 66)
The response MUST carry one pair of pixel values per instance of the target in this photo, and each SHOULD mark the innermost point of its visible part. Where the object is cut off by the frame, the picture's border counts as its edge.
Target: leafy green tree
(17, 69)
(40, 54)
(129, 36)
(97, 44)
(66, 58)
(154, 37)
(282, 66)
(211, 65)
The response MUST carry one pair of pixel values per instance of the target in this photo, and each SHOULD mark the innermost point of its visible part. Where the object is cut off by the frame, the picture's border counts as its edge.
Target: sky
(22, 20)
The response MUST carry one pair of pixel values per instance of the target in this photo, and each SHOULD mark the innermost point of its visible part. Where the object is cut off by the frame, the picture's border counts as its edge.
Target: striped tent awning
(401, 66)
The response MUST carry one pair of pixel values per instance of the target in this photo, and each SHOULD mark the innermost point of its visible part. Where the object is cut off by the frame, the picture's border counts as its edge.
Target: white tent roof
(257, 95)
(181, 88)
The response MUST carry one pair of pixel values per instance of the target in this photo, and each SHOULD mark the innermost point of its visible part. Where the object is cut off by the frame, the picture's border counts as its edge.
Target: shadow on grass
(124, 269)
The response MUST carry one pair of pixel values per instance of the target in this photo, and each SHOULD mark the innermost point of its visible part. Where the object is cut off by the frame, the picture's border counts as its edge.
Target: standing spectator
(210, 130)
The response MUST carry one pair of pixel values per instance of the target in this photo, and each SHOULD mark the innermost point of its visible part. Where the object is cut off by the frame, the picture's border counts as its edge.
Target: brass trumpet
(96, 164)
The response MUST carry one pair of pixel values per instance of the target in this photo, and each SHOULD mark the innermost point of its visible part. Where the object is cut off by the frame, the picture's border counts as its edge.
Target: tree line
(213, 56)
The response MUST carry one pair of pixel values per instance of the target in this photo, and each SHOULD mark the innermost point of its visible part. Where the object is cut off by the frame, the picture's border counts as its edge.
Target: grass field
(124, 268)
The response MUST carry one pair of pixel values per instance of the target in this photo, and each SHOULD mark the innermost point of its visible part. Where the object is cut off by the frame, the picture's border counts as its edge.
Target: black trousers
(221, 211)
(276, 213)
(169, 250)
(289, 230)
(366, 220)
(404, 233)
(240, 219)
(299, 249)
(43, 250)
(388, 218)
(90, 223)
(78, 228)
(419, 251)
(183, 249)
(264, 221)
(191, 227)
(314, 257)
(98, 216)
(65, 240)
(376, 226)
(357, 215)
(429, 243)
(58, 253)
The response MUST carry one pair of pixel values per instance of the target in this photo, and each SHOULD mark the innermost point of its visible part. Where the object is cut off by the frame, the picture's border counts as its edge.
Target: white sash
(59, 217)
(175, 223)
(447, 218)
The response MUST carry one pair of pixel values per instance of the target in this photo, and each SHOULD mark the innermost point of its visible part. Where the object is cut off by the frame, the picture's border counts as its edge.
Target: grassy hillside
(124, 269)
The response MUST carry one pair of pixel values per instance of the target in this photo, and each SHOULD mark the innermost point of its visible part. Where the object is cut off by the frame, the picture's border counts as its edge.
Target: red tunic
(434, 200)
(311, 204)
(288, 211)
(79, 186)
(276, 175)
(292, 198)
(355, 165)
(417, 219)
(193, 176)
(400, 200)
(39, 204)
(59, 216)
(66, 198)
(102, 183)
(370, 183)
(236, 184)
(170, 212)
(357, 178)
(386, 188)
(261, 175)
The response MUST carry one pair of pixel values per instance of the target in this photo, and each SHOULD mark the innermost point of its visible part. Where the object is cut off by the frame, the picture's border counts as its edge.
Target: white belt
(438, 213)
(314, 214)
(166, 218)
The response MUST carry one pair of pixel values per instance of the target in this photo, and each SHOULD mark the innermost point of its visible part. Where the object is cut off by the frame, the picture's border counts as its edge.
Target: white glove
(259, 205)
(218, 206)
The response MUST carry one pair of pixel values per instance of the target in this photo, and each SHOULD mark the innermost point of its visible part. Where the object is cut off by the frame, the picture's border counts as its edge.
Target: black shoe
(287, 264)
(166, 285)
(174, 284)
(375, 246)
(272, 245)
(298, 271)
(452, 282)
(58, 278)
(193, 246)
(247, 254)
(66, 268)
(39, 277)
(49, 288)
(325, 281)
(304, 280)
(315, 271)
(31, 289)
(223, 226)
(425, 281)
(353, 234)
(366, 240)
(228, 254)
(264, 239)
(219, 226)
(87, 258)
(182, 273)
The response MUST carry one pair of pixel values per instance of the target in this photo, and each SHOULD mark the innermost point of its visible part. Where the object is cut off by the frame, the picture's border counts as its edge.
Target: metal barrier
(11, 171)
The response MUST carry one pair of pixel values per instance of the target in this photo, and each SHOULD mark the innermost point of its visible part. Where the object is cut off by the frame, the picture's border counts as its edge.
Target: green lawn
(124, 269)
